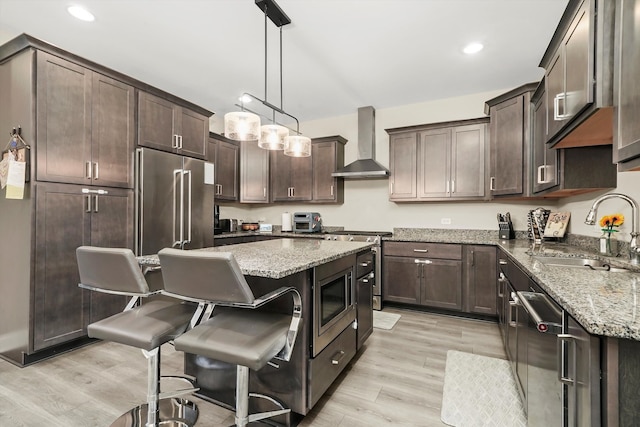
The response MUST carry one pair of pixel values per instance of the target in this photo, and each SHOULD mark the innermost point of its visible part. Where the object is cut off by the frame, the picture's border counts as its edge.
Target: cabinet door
(364, 301)
(626, 135)
(63, 120)
(467, 161)
(280, 177)
(544, 158)
(578, 63)
(554, 80)
(402, 165)
(193, 130)
(481, 280)
(401, 280)
(62, 224)
(111, 226)
(301, 178)
(226, 168)
(434, 163)
(254, 173)
(507, 147)
(112, 132)
(156, 126)
(442, 284)
(323, 157)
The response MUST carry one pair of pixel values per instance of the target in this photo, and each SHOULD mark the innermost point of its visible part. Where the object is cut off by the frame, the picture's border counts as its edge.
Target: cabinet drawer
(326, 367)
(423, 250)
(364, 264)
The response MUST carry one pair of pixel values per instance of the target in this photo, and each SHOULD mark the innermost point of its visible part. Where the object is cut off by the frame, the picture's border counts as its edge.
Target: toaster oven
(307, 222)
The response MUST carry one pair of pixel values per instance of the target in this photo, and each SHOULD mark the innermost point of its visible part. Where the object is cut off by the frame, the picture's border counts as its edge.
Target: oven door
(334, 308)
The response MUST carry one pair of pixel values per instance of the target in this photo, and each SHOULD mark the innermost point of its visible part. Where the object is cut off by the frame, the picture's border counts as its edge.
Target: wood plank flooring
(395, 380)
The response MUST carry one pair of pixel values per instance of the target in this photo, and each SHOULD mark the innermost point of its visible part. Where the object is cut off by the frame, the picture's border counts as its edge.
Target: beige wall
(367, 205)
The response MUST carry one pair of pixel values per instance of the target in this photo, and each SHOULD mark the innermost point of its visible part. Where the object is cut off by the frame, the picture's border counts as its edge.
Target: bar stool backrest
(110, 269)
(203, 275)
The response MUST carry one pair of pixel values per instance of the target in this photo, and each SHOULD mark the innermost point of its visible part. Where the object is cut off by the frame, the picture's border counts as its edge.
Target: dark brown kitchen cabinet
(67, 216)
(480, 278)
(578, 67)
(427, 274)
(441, 161)
(365, 280)
(291, 177)
(510, 142)
(544, 160)
(167, 126)
(626, 130)
(225, 155)
(85, 125)
(254, 173)
(327, 156)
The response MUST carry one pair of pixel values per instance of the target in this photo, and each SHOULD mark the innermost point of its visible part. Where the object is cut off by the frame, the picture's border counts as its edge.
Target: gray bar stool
(232, 334)
(147, 327)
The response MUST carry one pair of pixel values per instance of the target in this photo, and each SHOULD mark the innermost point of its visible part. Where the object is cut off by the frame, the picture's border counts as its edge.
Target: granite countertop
(278, 258)
(604, 303)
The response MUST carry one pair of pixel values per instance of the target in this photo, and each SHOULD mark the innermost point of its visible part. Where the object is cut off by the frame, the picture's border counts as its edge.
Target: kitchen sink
(593, 264)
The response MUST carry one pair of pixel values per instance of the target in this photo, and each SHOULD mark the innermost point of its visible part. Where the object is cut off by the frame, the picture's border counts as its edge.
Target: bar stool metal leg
(170, 412)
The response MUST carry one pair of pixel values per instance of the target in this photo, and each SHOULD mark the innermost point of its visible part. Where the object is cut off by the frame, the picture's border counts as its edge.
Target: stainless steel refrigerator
(174, 204)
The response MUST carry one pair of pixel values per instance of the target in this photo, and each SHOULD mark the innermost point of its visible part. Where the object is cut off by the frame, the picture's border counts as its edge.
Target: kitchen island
(323, 346)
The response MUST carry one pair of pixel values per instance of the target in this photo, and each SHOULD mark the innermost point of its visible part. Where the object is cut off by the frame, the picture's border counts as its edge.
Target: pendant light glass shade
(298, 146)
(273, 137)
(242, 126)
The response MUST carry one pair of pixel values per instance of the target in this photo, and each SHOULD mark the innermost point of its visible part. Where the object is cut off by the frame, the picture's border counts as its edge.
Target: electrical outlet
(445, 221)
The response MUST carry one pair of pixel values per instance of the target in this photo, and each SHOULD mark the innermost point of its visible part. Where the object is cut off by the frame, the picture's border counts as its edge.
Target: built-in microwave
(334, 307)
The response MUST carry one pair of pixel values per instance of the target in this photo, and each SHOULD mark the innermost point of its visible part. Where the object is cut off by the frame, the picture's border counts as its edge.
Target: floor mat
(480, 391)
(384, 320)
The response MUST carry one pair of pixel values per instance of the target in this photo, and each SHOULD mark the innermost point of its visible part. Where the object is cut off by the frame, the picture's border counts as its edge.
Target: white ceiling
(338, 55)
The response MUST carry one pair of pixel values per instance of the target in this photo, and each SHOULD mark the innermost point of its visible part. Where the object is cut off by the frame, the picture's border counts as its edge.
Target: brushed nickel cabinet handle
(337, 358)
(88, 170)
(88, 203)
(492, 183)
(421, 250)
(96, 173)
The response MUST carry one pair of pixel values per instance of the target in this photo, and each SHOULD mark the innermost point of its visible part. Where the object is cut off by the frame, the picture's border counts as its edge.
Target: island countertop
(278, 258)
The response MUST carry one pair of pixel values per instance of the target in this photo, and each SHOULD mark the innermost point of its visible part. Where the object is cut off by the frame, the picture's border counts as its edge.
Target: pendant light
(245, 125)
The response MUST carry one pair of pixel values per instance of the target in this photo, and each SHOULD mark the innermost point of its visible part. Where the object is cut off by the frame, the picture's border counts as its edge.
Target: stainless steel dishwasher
(546, 360)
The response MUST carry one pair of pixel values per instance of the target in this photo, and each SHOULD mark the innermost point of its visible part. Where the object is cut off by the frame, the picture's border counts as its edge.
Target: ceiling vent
(366, 166)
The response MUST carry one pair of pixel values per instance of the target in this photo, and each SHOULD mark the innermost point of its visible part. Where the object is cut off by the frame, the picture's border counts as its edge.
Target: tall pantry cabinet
(80, 125)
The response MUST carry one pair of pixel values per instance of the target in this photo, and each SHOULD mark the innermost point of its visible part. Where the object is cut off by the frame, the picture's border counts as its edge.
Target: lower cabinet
(65, 219)
(428, 274)
(480, 279)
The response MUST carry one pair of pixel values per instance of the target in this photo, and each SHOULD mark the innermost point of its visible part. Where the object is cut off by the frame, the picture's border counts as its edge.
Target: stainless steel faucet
(634, 250)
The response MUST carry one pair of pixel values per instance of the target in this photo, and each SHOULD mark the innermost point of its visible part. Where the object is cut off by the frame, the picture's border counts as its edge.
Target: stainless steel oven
(334, 306)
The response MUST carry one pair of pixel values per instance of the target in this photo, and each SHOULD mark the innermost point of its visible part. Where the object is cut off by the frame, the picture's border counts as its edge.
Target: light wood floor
(395, 380)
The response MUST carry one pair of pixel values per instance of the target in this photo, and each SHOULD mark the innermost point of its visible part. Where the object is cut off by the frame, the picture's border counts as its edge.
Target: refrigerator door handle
(177, 239)
(189, 206)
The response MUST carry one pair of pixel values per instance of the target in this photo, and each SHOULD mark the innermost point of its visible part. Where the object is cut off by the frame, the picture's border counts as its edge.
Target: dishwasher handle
(542, 325)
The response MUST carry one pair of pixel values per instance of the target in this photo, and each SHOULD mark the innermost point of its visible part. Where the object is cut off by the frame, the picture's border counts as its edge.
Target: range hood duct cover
(366, 166)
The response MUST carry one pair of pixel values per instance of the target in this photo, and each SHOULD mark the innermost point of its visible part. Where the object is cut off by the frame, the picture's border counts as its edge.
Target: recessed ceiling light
(81, 13)
(472, 48)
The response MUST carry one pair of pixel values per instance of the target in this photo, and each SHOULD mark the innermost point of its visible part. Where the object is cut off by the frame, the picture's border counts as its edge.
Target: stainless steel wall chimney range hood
(365, 167)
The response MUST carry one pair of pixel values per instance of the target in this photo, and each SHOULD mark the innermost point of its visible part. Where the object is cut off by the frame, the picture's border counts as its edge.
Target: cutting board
(557, 224)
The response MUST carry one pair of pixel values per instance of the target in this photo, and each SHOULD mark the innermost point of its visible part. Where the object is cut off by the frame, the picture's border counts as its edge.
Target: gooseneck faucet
(634, 250)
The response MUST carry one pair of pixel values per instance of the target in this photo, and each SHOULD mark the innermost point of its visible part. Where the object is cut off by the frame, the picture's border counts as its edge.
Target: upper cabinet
(441, 161)
(254, 173)
(544, 158)
(85, 125)
(578, 67)
(510, 142)
(290, 177)
(270, 176)
(626, 131)
(327, 156)
(164, 125)
(225, 156)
